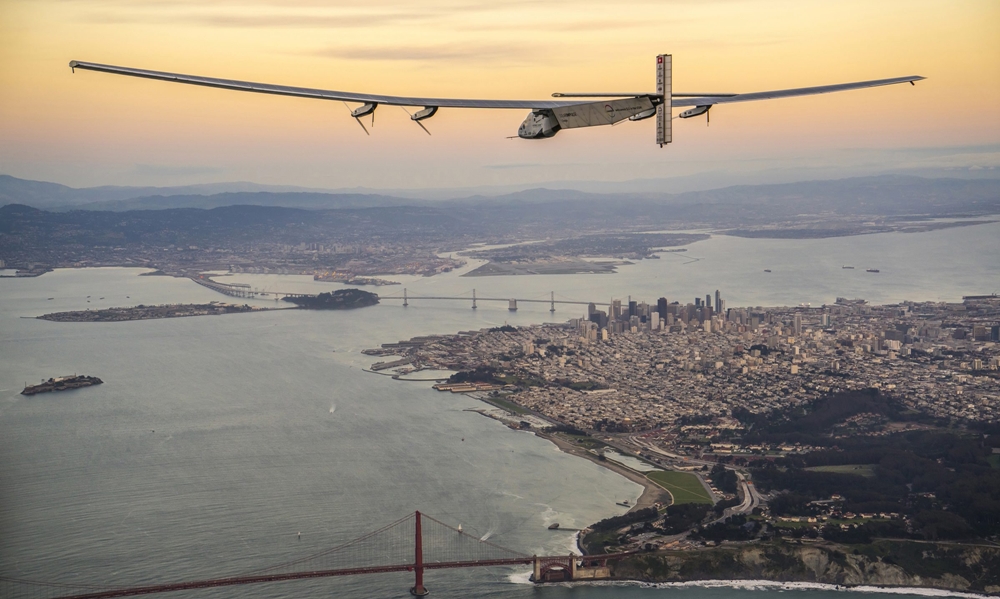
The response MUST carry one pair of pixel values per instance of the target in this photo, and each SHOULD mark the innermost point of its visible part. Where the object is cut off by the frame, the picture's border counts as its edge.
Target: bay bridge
(246, 291)
(415, 543)
(511, 302)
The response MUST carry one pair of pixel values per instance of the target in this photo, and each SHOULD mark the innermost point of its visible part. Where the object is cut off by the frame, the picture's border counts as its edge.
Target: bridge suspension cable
(414, 543)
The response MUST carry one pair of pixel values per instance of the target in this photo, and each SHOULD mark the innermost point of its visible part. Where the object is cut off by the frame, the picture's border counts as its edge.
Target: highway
(751, 498)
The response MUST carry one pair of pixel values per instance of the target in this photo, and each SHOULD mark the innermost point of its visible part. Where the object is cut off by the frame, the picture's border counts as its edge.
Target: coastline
(899, 566)
(780, 565)
(651, 493)
(897, 583)
(774, 585)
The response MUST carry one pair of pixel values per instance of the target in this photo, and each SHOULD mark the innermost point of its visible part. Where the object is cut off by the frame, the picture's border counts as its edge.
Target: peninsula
(843, 444)
(587, 254)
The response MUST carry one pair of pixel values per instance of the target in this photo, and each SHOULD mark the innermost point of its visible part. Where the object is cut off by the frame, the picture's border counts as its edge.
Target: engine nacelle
(426, 113)
(643, 115)
(364, 110)
(538, 125)
(697, 110)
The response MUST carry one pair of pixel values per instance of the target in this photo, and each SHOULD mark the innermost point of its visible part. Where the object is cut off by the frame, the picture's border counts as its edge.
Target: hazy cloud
(457, 52)
(514, 165)
(156, 170)
(297, 13)
(569, 26)
(519, 165)
(252, 21)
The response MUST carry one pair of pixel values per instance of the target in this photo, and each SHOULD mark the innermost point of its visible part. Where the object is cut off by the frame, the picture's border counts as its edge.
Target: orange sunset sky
(94, 129)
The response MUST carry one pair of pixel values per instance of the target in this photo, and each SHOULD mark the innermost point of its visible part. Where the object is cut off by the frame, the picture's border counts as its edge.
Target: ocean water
(215, 440)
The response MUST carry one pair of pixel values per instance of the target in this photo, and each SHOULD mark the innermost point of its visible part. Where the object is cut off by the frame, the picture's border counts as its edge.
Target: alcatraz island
(63, 383)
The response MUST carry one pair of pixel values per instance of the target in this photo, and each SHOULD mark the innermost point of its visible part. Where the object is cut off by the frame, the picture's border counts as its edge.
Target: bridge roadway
(487, 299)
(261, 578)
(244, 290)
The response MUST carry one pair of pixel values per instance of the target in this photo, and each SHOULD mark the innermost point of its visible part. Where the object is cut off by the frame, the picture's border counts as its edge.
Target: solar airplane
(547, 117)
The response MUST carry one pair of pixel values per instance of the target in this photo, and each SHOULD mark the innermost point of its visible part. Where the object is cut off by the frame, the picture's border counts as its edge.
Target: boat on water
(872, 270)
(623, 503)
(554, 526)
(767, 270)
(848, 267)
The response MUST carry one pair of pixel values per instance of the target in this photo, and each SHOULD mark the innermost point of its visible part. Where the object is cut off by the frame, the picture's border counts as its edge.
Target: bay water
(215, 441)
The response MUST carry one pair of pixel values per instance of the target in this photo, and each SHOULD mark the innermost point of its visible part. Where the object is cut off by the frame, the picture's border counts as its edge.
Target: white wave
(521, 577)
(574, 544)
(333, 408)
(549, 515)
(770, 585)
(490, 531)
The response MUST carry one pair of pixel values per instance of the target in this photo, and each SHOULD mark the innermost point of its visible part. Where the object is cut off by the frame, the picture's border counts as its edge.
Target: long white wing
(789, 93)
(679, 100)
(321, 94)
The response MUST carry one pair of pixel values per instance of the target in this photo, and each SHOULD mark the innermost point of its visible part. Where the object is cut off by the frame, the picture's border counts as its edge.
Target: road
(751, 497)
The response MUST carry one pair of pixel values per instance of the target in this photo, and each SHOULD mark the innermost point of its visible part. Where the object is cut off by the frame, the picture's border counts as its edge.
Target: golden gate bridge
(415, 543)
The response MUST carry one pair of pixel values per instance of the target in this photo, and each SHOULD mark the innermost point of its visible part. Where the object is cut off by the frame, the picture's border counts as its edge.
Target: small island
(341, 299)
(62, 383)
(142, 312)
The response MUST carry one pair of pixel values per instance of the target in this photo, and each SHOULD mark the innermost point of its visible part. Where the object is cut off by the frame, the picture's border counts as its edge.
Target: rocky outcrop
(974, 568)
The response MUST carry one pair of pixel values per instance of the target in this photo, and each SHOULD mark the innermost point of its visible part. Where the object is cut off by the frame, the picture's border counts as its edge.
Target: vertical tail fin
(664, 89)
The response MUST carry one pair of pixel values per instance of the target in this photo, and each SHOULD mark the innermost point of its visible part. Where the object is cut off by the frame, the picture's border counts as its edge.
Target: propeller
(419, 124)
(359, 120)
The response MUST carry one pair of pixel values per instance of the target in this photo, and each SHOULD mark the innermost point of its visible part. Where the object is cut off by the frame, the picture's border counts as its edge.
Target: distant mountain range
(250, 226)
(847, 206)
(53, 196)
(884, 195)
(56, 197)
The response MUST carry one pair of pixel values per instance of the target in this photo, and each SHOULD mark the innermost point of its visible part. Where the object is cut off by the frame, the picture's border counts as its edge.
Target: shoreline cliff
(882, 563)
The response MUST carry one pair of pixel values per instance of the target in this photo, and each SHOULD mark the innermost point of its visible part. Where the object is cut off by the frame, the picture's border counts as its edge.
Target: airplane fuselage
(539, 124)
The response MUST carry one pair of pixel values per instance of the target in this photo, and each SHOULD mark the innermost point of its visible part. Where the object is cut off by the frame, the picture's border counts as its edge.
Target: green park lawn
(507, 405)
(683, 486)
